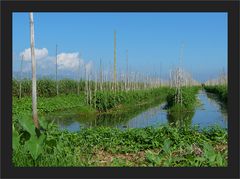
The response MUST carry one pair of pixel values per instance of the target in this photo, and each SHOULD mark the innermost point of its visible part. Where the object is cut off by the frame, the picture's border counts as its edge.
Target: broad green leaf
(27, 125)
(166, 145)
(44, 124)
(15, 139)
(35, 145)
(219, 159)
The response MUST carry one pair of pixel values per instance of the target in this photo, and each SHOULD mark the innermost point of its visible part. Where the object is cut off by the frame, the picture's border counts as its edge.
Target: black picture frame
(233, 10)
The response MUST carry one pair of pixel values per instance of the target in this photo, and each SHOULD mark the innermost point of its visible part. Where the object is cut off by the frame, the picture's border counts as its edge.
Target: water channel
(210, 112)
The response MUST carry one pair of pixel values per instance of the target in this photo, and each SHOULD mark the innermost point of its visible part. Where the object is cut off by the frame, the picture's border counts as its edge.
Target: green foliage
(180, 114)
(35, 145)
(27, 125)
(15, 138)
(188, 98)
(219, 90)
(162, 146)
(106, 100)
(46, 87)
(172, 146)
(46, 105)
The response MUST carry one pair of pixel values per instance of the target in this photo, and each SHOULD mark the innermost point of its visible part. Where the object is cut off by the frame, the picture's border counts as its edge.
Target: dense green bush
(219, 90)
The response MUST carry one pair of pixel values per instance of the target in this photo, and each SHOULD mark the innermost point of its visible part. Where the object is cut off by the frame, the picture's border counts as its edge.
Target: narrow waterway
(210, 112)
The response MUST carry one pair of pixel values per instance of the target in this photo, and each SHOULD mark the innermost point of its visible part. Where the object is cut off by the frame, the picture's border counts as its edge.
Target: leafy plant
(35, 145)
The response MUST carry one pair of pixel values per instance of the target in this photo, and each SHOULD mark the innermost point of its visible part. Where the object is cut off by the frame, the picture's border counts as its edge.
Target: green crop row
(105, 100)
(46, 87)
(219, 90)
(188, 98)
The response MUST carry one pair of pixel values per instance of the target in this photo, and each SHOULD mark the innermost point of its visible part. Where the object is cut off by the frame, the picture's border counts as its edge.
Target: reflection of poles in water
(179, 119)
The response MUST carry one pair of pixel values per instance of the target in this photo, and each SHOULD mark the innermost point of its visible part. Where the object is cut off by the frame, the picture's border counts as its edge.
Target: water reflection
(131, 117)
(181, 118)
(211, 112)
(221, 106)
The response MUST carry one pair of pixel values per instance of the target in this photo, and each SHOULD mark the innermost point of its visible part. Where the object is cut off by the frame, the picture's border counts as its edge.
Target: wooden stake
(115, 61)
(78, 88)
(56, 71)
(20, 84)
(34, 83)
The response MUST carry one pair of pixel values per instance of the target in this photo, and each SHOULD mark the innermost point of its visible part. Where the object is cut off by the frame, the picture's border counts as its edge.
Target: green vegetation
(163, 146)
(219, 90)
(118, 101)
(106, 100)
(188, 99)
(174, 145)
(47, 87)
(40, 143)
(181, 114)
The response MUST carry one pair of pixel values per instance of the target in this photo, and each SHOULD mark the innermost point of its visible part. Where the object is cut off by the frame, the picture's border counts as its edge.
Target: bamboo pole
(126, 86)
(90, 89)
(78, 87)
(34, 83)
(95, 91)
(115, 61)
(56, 70)
(101, 75)
(20, 83)
(86, 84)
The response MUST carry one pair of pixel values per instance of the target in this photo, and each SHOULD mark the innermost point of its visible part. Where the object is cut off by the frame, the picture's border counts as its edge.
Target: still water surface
(210, 112)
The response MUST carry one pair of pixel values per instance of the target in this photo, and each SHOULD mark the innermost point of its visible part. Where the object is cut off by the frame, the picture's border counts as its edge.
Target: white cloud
(39, 54)
(68, 60)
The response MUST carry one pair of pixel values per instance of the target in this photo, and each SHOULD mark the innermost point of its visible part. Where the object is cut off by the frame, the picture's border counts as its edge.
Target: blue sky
(152, 39)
